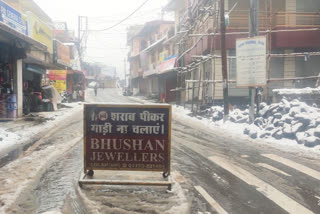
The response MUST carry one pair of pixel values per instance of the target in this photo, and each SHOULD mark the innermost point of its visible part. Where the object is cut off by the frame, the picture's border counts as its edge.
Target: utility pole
(80, 29)
(79, 40)
(125, 72)
(224, 61)
(253, 31)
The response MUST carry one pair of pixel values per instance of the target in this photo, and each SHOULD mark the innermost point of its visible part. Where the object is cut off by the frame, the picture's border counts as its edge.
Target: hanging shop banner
(61, 53)
(60, 85)
(58, 78)
(57, 74)
(251, 62)
(168, 64)
(163, 55)
(127, 137)
(40, 31)
(13, 18)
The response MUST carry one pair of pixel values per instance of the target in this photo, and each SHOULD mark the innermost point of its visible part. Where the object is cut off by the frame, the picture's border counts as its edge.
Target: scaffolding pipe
(260, 32)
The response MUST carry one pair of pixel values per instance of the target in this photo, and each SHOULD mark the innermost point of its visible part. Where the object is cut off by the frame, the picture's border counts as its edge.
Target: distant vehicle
(93, 85)
(126, 91)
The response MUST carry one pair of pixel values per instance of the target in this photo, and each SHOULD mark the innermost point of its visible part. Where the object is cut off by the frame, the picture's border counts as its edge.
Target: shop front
(76, 83)
(32, 87)
(167, 79)
(70, 84)
(151, 79)
(15, 75)
(8, 99)
(14, 45)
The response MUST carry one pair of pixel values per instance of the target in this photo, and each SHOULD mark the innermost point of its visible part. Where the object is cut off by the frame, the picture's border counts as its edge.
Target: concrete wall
(217, 69)
(291, 6)
(276, 70)
(135, 47)
(308, 5)
(289, 68)
(307, 67)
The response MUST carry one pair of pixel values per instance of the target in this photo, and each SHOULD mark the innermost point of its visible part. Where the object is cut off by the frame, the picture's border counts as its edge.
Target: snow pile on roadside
(21, 131)
(285, 122)
(293, 120)
(8, 138)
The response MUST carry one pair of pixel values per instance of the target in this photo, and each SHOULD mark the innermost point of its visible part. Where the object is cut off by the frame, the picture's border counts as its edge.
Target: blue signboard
(12, 18)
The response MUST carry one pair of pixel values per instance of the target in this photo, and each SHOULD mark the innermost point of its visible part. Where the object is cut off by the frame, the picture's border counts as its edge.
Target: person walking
(96, 89)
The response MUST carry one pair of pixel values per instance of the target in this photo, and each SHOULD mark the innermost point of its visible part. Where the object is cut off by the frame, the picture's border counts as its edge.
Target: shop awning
(35, 69)
(11, 32)
(154, 44)
(149, 72)
(32, 60)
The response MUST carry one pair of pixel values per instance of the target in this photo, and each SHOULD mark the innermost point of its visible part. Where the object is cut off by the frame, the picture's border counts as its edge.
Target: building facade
(292, 31)
(28, 49)
(152, 58)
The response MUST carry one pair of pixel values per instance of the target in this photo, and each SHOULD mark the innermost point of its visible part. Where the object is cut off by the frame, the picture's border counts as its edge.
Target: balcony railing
(296, 19)
(239, 20)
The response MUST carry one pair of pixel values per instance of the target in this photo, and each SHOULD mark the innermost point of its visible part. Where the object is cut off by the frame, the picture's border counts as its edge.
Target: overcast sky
(108, 47)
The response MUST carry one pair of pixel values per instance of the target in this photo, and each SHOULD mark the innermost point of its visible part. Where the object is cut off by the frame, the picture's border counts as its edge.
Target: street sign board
(127, 137)
(251, 62)
(13, 18)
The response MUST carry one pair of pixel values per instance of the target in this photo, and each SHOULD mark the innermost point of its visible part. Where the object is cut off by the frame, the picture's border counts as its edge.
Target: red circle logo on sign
(103, 116)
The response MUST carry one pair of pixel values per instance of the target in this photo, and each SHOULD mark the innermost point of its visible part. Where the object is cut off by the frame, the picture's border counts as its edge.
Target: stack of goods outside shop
(69, 83)
(8, 100)
(10, 52)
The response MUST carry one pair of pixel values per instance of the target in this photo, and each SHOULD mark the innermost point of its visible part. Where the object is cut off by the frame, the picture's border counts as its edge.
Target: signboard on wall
(251, 62)
(60, 85)
(61, 53)
(13, 18)
(58, 79)
(57, 74)
(127, 137)
(40, 31)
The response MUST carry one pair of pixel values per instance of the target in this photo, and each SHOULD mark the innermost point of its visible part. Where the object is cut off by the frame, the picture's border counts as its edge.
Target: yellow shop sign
(40, 31)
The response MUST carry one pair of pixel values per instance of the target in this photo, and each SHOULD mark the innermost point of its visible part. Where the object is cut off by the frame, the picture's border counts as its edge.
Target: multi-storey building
(151, 58)
(291, 28)
(28, 49)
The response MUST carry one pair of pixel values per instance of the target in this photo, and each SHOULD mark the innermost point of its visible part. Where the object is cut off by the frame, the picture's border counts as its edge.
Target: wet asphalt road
(218, 173)
(192, 150)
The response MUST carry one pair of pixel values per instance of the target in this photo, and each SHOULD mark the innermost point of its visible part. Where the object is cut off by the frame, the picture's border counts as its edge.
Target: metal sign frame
(87, 176)
(254, 60)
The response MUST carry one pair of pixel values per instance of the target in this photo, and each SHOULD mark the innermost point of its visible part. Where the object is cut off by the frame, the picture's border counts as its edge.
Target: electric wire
(118, 23)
